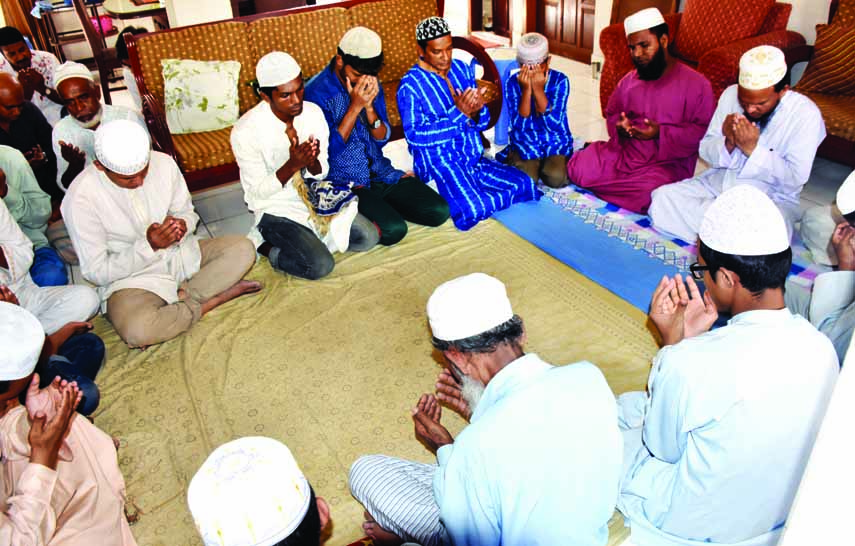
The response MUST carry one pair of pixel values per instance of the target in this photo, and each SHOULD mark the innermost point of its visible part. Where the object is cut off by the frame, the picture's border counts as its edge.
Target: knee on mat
(554, 179)
(360, 470)
(319, 267)
(49, 274)
(393, 232)
(440, 213)
(86, 300)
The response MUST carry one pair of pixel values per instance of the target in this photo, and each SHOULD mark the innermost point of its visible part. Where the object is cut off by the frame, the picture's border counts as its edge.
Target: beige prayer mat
(333, 367)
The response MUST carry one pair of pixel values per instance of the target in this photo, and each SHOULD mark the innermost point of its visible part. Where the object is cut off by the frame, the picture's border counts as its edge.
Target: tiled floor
(223, 210)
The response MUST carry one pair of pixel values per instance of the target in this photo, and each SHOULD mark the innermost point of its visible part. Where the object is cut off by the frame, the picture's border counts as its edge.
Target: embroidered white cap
(71, 69)
(276, 68)
(122, 146)
(846, 195)
(361, 42)
(248, 492)
(22, 337)
(745, 222)
(643, 20)
(533, 49)
(468, 306)
(761, 67)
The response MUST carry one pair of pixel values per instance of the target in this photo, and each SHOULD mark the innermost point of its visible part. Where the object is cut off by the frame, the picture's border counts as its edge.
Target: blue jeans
(78, 359)
(48, 269)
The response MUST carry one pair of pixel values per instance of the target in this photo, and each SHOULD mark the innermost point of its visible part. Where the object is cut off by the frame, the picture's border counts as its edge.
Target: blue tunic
(360, 159)
(540, 135)
(446, 147)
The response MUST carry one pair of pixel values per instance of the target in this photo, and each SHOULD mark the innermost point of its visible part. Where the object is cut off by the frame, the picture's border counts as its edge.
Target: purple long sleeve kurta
(625, 170)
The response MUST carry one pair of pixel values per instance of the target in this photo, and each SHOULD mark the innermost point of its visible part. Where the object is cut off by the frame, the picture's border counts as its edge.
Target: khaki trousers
(142, 318)
(552, 170)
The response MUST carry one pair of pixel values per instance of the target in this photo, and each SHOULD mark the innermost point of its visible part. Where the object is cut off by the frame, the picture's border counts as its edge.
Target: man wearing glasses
(715, 450)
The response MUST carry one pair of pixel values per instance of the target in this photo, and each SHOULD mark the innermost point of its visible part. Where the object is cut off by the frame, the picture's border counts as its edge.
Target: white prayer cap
(248, 492)
(70, 69)
(361, 42)
(761, 67)
(122, 146)
(533, 49)
(21, 337)
(643, 20)
(846, 195)
(745, 222)
(468, 306)
(276, 68)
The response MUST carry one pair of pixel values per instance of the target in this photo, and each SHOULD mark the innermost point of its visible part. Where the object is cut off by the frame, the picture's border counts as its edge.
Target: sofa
(310, 34)
(720, 64)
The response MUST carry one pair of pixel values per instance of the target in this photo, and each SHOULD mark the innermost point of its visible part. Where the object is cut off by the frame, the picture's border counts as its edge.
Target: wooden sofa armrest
(491, 73)
(155, 118)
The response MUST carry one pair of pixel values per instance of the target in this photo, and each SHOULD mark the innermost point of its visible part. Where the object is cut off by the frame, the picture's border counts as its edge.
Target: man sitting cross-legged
(539, 462)
(131, 219)
(352, 100)
(655, 118)
(715, 449)
(443, 113)
(537, 102)
(280, 146)
(762, 134)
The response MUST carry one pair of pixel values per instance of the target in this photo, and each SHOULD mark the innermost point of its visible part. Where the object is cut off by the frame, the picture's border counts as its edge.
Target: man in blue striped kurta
(536, 96)
(443, 114)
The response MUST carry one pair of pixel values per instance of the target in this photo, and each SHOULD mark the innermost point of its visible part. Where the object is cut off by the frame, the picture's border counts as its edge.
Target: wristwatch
(377, 123)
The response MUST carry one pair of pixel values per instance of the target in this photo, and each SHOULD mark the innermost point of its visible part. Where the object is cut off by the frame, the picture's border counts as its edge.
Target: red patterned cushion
(831, 69)
(707, 24)
(845, 13)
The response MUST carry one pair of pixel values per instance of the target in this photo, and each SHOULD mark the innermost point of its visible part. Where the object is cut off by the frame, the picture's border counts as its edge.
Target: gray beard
(92, 123)
(472, 390)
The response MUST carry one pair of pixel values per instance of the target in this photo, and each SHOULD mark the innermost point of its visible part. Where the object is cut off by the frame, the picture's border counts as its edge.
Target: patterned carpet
(332, 367)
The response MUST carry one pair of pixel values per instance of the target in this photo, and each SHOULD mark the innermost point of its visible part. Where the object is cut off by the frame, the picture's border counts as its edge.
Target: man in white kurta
(715, 449)
(539, 462)
(131, 219)
(762, 134)
(34, 69)
(280, 145)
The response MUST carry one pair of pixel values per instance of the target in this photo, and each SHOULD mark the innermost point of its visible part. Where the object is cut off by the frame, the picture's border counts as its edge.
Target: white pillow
(200, 95)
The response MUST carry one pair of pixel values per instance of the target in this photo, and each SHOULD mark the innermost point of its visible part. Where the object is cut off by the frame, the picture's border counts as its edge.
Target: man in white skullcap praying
(715, 449)
(354, 104)
(762, 134)
(540, 140)
(830, 306)
(539, 462)
(131, 219)
(74, 135)
(656, 117)
(280, 146)
(61, 486)
(251, 491)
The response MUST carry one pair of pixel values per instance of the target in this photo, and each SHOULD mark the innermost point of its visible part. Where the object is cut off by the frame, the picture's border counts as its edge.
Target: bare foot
(379, 535)
(237, 289)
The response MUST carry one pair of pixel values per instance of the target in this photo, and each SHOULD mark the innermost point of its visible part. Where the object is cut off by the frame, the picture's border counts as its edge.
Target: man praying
(539, 462)
(443, 113)
(715, 449)
(656, 117)
(131, 219)
(540, 139)
(352, 100)
(35, 71)
(762, 134)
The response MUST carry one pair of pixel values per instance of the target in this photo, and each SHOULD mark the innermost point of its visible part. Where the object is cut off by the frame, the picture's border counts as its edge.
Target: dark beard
(762, 120)
(654, 69)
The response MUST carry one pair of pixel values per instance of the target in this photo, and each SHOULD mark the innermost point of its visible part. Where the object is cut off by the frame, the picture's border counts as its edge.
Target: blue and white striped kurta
(446, 147)
(540, 135)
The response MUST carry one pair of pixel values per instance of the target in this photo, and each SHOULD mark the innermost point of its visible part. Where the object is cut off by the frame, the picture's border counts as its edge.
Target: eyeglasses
(698, 270)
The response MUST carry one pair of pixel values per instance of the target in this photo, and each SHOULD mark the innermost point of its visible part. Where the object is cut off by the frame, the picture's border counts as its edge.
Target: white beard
(92, 123)
(471, 390)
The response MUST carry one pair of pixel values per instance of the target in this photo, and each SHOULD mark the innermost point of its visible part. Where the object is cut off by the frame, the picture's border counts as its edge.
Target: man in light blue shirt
(539, 462)
(714, 451)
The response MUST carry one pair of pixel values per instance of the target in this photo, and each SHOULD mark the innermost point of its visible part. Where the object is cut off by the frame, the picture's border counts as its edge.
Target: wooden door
(569, 27)
(502, 17)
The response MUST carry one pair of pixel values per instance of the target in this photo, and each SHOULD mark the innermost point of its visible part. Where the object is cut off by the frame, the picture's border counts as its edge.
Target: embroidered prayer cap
(276, 68)
(533, 49)
(431, 29)
(468, 306)
(643, 20)
(743, 221)
(248, 492)
(122, 146)
(69, 70)
(846, 195)
(22, 337)
(361, 42)
(761, 67)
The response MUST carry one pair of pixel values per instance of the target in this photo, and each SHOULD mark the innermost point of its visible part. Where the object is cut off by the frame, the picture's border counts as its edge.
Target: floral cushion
(706, 24)
(200, 95)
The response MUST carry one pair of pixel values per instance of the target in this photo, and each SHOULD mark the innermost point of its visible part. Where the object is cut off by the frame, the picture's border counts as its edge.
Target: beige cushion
(817, 226)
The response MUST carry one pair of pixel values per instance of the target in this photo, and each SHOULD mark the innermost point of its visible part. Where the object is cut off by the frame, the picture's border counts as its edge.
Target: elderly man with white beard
(540, 460)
